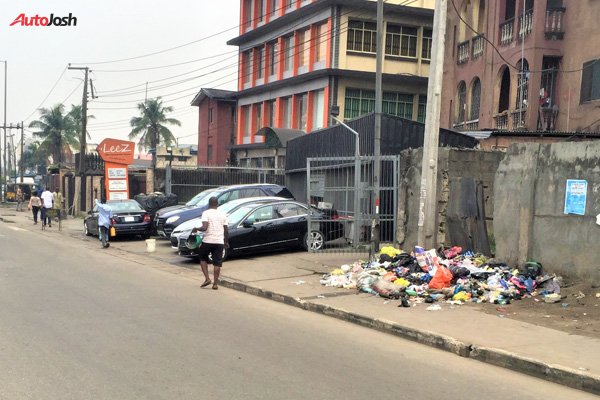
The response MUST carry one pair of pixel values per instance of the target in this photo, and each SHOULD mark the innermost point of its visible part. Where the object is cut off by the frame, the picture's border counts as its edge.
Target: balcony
(525, 24)
(547, 118)
(478, 45)
(472, 125)
(554, 24)
(519, 119)
(463, 52)
(501, 121)
(506, 31)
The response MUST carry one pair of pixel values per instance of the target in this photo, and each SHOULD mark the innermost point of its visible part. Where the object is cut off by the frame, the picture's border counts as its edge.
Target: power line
(48, 95)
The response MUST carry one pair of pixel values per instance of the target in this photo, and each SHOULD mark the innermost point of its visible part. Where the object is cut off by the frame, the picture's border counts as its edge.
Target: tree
(76, 115)
(150, 126)
(33, 161)
(56, 131)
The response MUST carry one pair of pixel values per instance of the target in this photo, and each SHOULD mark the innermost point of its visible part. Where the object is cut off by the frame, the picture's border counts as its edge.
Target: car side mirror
(247, 224)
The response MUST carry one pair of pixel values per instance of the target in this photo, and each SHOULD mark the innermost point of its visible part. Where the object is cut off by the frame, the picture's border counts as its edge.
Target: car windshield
(235, 217)
(124, 206)
(197, 199)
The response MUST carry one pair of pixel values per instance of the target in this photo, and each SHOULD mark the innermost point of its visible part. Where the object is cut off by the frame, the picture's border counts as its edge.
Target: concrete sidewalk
(293, 278)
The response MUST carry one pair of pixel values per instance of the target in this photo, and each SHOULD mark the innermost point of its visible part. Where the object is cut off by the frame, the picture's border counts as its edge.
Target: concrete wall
(452, 163)
(529, 223)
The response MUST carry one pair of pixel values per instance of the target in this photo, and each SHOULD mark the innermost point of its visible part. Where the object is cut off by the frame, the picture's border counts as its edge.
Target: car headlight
(170, 220)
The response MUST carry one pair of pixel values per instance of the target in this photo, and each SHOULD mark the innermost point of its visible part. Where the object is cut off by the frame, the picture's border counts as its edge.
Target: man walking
(46, 205)
(214, 242)
(104, 216)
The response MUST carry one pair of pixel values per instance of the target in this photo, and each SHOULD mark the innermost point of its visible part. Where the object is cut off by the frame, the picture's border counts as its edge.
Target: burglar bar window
(426, 44)
(401, 41)
(590, 81)
(362, 36)
(399, 104)
(422, 109)
(358, 102)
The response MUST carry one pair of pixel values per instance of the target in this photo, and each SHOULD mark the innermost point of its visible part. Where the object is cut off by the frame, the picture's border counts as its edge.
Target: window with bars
(590, 81)
(301, 104)
(272, 61)
(522, 84)
(401, 41)
(461, 102)
(399, 104)
(362, 36)
(286, 105)
(422, 108)
(271, 113)
(426, 44)
(303, 47)
(260, 62)
(288, 48)
(475, 99)
(247, 62)
(320, 42)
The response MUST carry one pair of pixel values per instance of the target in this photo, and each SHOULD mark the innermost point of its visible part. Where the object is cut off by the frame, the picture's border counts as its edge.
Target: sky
(108, 31)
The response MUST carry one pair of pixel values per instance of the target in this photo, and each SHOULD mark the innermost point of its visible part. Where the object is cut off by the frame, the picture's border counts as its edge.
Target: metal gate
(342, 190)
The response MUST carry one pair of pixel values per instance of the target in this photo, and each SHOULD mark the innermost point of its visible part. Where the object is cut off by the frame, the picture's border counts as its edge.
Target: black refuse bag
(155, 201)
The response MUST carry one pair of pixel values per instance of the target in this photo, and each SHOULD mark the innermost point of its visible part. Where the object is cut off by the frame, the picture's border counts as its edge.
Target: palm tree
(56, 131)
(76, 114)
(150, 126)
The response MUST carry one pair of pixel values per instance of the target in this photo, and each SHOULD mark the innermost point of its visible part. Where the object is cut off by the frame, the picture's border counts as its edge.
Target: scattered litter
(598, 295)
(552, 298)
(434, 307)
(565, 305)
(320, 296)
(583, 369)
(546, 316)
(579, 295)
(300, 282)
(386, 302)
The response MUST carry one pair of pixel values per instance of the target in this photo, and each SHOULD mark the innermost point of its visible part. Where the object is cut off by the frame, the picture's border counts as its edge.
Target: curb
(500, 358)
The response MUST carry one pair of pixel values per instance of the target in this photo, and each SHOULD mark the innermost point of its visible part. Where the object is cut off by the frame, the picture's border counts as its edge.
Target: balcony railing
(478, 44)
(547, 118)
(525, 24)
(501, 121)
(554, 24)
(507, 30)
(463, 52)
(519, 119)
(467, 125)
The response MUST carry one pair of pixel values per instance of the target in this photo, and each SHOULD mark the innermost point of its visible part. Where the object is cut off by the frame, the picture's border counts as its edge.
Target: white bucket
(150, 245)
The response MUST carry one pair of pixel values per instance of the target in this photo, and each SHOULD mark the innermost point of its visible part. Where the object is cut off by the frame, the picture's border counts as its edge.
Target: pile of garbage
(447, 274)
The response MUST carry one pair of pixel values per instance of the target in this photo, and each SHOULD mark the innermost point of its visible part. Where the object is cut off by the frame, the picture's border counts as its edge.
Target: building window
(247, 70)
(401, 41)
(209, 152)
(321, 42)
(318, 109)
(426, 44)
(522, 84)
(461, 102)
(272, 62)
(399, 104)
(260, 62)
(301, 104)
(358, 102)
(362, 36)
(303, 47)
(210, 115)
(286, 105)
(260, 12)
(247, 124)
(422, 109)
(475, 100)
(590, 81)
(248, 13)
(274, 7)
(271, 113)
(288, 49)
(289, 4)
(259, 120)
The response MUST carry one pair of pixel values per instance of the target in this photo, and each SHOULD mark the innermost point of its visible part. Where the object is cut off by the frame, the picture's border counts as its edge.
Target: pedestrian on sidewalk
(57, 201)
(46, 205)
(214, 242)
(104, 216)
(20, 198)
(34, 205)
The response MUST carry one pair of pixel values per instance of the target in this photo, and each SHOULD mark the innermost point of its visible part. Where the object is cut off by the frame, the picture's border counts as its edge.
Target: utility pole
(82, 139)
(3, 175)
(427, 236)
(22, 167)
(378, 108)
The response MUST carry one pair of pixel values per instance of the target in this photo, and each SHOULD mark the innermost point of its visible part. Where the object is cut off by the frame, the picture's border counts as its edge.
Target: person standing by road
(57, 200)
(34, 205)
(20, 198)
(46, 205)
(104, 216)
(214, 242)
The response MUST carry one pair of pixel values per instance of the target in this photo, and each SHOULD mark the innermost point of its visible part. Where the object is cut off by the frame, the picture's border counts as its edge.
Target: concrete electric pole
(427, 232)
(378, 108)
(3, 174)
(82, 139)
(22, 166)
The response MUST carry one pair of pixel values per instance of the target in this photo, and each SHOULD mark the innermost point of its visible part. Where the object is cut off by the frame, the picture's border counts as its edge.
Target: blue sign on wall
(576, 196)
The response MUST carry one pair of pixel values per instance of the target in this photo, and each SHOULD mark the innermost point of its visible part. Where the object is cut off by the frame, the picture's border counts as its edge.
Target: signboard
(575, 196)
(116, 151)
(117, 196)
(117, 185)
(117, 154)
(117, 173)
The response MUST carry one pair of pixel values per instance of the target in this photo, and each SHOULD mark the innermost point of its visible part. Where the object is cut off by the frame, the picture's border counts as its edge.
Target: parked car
(129, 218)
(277, 225)
(166, 221)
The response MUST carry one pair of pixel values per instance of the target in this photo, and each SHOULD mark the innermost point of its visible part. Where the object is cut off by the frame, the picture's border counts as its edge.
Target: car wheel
(85, 230)
(315, 242)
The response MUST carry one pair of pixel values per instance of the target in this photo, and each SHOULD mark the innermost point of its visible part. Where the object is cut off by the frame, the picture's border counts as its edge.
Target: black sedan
(278, 225)
(129, 218)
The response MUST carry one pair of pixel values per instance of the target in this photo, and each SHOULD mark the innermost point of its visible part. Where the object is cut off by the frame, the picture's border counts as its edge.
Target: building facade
(301, 59)
(216, 125)
(522, 65)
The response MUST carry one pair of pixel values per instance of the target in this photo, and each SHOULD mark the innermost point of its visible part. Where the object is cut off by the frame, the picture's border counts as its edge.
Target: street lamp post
(168, 172)
(357, 171)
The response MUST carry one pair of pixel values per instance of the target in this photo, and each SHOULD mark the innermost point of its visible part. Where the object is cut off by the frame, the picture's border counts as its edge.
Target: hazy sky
(109, 30)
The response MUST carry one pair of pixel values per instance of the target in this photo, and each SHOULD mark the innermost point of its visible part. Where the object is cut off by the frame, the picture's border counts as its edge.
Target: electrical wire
(48, 95)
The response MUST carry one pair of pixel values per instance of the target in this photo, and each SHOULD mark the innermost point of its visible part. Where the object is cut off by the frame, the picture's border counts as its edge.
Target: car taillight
(146, 217)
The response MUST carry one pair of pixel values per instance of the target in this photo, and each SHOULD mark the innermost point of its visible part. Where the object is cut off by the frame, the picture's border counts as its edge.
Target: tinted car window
(236, 216)
(289, 210)
(198, 198)
(125, 206)
(253, 192)
(261, 214)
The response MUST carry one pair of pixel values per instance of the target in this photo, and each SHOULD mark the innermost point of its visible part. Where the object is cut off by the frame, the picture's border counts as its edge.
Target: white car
(187, 226)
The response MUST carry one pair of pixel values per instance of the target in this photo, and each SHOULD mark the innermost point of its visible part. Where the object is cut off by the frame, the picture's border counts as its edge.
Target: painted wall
(217, 133)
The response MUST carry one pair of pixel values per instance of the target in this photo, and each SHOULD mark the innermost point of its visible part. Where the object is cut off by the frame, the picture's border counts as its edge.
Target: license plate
(129, 219)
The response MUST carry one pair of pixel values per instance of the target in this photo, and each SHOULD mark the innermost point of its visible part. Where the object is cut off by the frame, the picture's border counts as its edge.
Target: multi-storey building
(522, 65)
(300, 59)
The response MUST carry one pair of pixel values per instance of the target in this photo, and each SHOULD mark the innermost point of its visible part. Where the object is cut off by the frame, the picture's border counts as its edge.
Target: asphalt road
(79, 322)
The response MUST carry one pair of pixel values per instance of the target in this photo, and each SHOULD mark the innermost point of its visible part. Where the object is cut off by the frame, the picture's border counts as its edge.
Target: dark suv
(167, 219)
